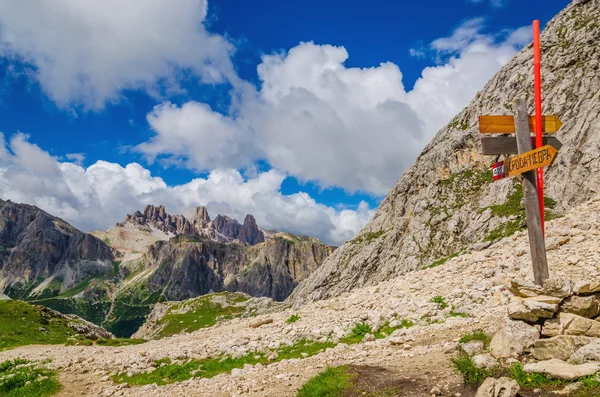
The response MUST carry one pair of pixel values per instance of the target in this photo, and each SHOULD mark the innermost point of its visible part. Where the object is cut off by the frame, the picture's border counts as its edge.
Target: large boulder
(584, 306)
(525, 289)
(586, 287)
(534, 308)
(485, 361)
(559, 369)
(473, 347)
(513, 338)
(572, 324)
(503, 387)
(590, 352)
(561, 347)
(558, 287)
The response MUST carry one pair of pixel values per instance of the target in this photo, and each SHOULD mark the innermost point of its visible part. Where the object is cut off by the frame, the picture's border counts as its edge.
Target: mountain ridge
(446, 203)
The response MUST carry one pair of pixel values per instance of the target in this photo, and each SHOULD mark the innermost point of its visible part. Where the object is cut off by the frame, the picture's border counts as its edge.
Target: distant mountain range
(113, 278)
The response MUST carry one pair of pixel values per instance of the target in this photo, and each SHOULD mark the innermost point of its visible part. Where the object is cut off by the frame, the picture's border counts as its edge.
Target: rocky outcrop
(446, 201)
(158, 218)
(222, 229)
(77, 324)
(36, 246)
(186, 267)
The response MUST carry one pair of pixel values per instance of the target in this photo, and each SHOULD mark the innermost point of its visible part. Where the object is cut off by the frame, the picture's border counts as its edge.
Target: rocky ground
(417, 359)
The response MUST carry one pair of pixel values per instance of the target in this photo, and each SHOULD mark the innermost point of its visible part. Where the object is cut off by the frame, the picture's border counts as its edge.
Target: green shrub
(292, 319)
(472, 376)
(358, 333)
(330, 383)
(525, 379)
(477, 335)
(440, 301)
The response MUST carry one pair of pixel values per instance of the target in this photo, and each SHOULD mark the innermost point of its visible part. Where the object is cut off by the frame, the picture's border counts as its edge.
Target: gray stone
(585, 306)
(551, 327)
(534, 308)
(562, 370)
(473, 347)
(485, 361)
(571, 324)
(525, 289)
(512, 339)
(503, 387)
(561, 347)
(558, 287)
(586, 287)
(587, 353)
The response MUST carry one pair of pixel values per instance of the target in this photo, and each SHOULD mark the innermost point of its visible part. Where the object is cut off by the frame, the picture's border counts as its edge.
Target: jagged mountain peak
(222, 228)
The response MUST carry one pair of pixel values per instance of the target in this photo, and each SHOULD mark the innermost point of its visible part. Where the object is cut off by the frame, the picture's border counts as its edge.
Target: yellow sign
(529, 161)
(506, 124)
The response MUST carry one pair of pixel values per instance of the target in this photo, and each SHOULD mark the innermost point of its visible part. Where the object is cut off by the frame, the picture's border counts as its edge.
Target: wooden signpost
(530, 161)
(506, 124)
(508, 144)
(526, 162)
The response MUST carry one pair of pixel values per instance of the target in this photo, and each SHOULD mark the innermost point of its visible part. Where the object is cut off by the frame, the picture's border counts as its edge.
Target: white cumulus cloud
(100, 195)
(318, 120)
(86, 52)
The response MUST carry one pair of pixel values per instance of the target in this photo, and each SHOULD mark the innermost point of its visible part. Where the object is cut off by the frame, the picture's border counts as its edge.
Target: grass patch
(591, 387)
(292, 319)
(169, 372)
(22, 378)
(477, 335)
(458, 314)
(24, 324)
(368, 237)
(387, 330)
(119, 342)
(472, 376)
(330, 383)
(532, 380)
(440, 301)
(358, 333)
(200, 313)
(440, 262)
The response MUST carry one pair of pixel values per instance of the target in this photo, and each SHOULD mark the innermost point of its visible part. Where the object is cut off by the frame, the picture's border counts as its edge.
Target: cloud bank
(100, 195)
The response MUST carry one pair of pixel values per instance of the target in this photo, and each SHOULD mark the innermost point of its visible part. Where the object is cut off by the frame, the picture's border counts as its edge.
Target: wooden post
(532, 206)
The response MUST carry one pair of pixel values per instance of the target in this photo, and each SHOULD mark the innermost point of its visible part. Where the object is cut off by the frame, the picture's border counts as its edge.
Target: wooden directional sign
(506, 124)
(508, 144)
(531, 160)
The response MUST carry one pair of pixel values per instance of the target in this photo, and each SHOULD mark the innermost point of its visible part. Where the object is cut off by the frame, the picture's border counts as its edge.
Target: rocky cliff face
(190, 266)
(186, 267)
(446, 202)
(36, 246)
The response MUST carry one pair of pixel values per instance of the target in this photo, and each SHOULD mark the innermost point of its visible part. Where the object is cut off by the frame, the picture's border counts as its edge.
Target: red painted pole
(537, 69)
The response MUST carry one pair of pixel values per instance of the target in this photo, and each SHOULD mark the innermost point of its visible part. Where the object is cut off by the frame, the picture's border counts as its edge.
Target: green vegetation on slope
(25, 324)
(514, 209)
(22, 378)
(130, 308)
(168, 372)
(330, 383)
(202, 312)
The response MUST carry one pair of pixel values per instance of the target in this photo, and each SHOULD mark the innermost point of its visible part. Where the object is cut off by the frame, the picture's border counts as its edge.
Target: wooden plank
(508, 144)
(506, 125)
(532, 206)
(530, 161)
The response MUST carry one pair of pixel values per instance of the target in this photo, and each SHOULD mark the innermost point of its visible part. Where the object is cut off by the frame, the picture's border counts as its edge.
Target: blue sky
(302, 113)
